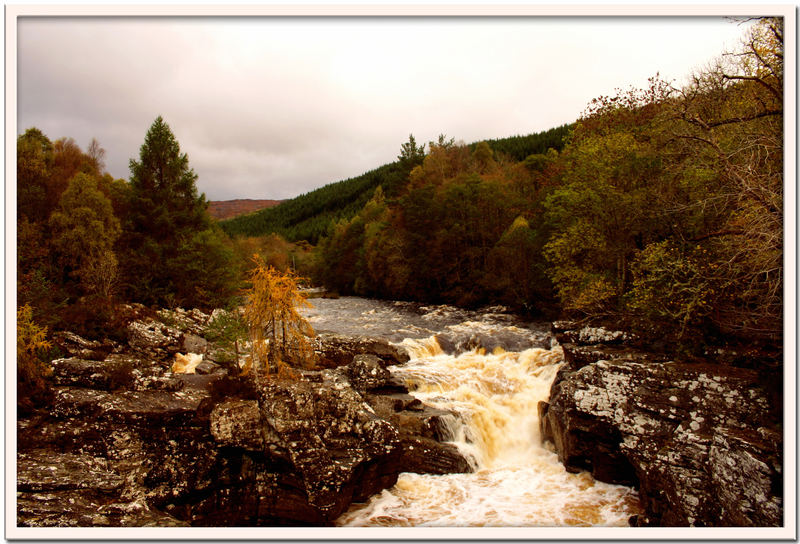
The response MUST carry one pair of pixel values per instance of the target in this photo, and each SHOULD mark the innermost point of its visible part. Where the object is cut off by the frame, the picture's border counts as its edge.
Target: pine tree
(167, 218)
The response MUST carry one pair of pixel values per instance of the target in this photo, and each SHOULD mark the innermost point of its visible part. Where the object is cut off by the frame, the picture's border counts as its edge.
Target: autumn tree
(732, 122)
(278, 332)
(32, 371)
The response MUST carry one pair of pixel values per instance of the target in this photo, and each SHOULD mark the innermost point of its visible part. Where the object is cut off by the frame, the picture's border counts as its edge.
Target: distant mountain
(226, 209)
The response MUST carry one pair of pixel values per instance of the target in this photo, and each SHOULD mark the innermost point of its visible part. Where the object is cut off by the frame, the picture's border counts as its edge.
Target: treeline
(87, 241)
(664, 211)
(309, 216)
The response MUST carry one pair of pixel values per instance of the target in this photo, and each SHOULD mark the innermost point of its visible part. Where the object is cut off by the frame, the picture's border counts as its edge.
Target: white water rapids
(517, 480)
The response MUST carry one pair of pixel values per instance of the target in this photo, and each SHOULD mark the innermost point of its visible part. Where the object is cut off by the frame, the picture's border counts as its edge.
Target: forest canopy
(661, 209)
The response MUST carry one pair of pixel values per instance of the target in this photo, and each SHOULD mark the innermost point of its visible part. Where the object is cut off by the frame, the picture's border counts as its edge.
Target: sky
(270, 108)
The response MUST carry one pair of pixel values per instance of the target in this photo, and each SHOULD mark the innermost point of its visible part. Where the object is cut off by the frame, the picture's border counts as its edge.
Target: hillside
(228, 209)
(308, 216)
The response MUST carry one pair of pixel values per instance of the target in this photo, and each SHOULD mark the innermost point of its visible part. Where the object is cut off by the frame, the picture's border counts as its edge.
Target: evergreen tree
(165, 216)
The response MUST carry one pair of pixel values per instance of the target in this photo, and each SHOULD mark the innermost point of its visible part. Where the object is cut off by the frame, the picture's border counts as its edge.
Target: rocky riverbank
(701, 441)
(129, 441)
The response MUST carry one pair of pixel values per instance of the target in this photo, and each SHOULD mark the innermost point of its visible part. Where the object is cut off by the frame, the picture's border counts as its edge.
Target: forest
(660, 209)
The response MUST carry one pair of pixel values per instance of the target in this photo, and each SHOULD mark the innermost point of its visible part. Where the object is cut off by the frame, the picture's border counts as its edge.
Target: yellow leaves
(30, 337)
(277, 330)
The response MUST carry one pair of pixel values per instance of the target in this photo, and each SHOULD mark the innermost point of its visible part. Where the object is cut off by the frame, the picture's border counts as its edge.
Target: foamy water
(518, 481)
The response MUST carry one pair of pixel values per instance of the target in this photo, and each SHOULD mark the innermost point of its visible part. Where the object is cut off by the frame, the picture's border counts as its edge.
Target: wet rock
(335, 350)
(427, 456)
(424, 431)
(683, 433)
(367, 371)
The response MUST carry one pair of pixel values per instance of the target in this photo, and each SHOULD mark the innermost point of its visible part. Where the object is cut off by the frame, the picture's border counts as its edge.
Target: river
(492, 370)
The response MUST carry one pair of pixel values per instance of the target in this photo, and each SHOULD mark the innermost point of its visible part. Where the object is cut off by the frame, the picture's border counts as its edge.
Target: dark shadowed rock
(237, 424)
(192, 343)
(110, 374)
(78, 347)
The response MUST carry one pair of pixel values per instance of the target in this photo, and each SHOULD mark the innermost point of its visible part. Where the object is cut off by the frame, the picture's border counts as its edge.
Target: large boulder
(699, 440)
(334, 350)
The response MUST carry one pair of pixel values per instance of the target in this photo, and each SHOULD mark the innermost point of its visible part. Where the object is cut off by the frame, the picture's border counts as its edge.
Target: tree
(34, 163)
(85, 230)
(278, 332)
(411, 155)
(32, 371)
(731, 121)
(166, 218)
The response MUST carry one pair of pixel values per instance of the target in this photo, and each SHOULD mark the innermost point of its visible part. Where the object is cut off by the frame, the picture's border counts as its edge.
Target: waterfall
(517, 480)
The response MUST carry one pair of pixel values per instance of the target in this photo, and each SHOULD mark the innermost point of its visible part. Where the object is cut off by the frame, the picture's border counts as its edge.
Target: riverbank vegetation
(660, 209)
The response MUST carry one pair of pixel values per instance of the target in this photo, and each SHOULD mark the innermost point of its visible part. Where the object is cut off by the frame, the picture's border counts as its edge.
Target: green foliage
(84, 230)
(675, 290)
(310, 216)
(410, 154)
(226, 328)
(170, 253)
(34, 162)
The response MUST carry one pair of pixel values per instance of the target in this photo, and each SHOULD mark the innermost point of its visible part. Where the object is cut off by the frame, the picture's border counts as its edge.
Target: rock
(427, 456)
(331, 438)
(683, 433)
(192, 321)
(129, 407)
(367, 371)
(565, 333)
(153, 337)
(47, 471)
(194, 344)
(335, 350)
(77, 347)
(423, 432)
(111, 374)
(577, 356)
(208, 367)
(127, 442)
(238, 424)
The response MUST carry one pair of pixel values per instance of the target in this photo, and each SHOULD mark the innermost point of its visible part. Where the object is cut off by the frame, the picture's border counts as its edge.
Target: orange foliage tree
(278, 332)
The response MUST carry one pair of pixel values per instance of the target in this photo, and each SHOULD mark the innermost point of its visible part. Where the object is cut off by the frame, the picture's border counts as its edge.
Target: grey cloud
(270, 108)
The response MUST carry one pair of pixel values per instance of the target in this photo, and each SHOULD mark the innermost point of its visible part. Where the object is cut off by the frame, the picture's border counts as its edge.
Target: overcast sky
(272, 108)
